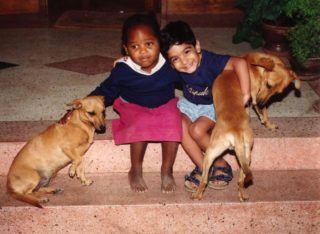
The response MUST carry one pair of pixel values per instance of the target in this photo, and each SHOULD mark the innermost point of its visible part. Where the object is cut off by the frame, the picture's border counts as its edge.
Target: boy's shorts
(194, 111)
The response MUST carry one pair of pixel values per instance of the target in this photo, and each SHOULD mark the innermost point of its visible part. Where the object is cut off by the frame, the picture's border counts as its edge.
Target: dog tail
(28, 198)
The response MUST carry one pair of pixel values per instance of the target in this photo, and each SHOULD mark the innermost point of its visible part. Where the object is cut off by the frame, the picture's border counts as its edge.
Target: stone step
(295, 145)
(280, 202)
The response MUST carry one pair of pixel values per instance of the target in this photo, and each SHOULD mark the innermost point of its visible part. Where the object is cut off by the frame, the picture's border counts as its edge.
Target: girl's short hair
(176, 33)
(137, 20)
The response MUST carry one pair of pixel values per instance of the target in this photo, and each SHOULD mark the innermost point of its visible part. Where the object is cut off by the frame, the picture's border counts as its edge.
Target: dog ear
(102, 98)
(76, 104)
(265, 63)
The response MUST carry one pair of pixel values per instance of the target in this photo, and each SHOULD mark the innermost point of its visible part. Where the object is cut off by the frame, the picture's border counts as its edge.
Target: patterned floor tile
(90, 65)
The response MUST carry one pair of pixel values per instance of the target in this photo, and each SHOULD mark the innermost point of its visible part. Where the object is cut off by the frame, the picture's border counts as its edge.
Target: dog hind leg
(215, 149)
(49, 190)
(243, 150)
(30, 198)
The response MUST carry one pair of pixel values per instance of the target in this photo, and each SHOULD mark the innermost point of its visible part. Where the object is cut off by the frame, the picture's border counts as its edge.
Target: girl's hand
(119, 59)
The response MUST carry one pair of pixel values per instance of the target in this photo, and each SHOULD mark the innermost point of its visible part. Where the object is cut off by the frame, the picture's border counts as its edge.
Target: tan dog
(232, 131)
(59, 145)
(268, 75)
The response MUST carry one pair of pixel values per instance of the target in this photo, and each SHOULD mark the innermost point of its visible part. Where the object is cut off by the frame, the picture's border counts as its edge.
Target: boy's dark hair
(148, 19)
(176, 33)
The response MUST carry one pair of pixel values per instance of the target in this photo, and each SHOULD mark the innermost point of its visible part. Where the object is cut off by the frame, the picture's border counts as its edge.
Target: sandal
(226, 177)
(192, 181)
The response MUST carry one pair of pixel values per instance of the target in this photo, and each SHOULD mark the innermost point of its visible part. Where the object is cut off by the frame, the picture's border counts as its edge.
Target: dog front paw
(86, 182)
(72, 171)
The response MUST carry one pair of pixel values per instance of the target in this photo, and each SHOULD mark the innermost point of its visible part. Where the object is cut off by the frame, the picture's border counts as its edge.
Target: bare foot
(137, 183)
(168, 184)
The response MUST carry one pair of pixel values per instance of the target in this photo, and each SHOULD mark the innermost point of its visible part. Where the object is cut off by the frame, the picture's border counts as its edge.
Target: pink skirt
(137, 123)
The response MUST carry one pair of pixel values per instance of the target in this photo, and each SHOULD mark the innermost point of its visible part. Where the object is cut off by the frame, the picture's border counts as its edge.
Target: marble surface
(280, 202)
(33, 91)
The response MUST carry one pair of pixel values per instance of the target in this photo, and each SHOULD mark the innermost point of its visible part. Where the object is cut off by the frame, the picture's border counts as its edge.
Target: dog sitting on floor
(60, 144)
(268, 76)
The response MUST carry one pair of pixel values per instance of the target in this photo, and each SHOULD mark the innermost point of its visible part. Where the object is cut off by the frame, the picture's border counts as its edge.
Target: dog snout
(101, 129)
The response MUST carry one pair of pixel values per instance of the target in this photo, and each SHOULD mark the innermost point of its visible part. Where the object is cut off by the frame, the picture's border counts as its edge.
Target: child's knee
(195, 132)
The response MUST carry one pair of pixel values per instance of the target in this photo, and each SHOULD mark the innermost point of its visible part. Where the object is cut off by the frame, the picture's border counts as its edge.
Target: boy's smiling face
(185, 57)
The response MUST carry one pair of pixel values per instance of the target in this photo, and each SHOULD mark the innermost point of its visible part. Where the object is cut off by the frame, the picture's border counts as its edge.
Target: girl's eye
(149, 44)
(91, 113)
(187, 51)
(134, 46)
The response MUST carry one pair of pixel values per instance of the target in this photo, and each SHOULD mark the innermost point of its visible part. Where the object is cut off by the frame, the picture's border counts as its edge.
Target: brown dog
(232, 131)
(268, 76)
(59, 145)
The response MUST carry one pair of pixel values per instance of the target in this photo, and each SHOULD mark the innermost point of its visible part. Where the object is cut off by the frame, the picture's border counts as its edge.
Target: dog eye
(92, 113)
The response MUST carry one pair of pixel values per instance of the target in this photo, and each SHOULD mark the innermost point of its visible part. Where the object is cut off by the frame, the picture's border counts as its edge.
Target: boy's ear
(198, 47)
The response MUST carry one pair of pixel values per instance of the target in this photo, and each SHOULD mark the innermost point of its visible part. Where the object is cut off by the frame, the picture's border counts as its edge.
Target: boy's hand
(119, 59)
(247, 100)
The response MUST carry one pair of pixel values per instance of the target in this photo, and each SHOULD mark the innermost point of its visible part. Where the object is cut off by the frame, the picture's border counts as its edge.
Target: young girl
(141, 89)
(198, 70)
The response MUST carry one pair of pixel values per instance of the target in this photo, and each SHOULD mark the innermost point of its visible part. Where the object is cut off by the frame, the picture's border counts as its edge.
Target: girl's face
(185, 57)
(143, 47)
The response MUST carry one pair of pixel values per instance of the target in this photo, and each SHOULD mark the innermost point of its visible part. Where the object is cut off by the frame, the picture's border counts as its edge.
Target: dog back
(228, 102)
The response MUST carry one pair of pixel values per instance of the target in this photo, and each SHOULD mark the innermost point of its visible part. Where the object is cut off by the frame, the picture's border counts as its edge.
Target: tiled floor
(58, 65)
(89, 65)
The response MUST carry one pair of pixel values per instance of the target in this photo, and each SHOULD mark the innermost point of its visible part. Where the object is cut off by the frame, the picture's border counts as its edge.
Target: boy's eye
(92, 113)
(187, 51)
(173, 60)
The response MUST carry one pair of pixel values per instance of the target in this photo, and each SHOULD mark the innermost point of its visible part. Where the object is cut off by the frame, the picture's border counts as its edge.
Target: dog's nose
(102, 129)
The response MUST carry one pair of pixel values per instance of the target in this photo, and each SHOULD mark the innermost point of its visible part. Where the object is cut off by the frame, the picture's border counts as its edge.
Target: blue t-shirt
(197, 85)
(145, 90)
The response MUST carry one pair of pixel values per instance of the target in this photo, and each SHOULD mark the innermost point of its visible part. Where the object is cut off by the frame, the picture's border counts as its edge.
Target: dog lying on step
(268, 76)
(231, 131)
(60, 144)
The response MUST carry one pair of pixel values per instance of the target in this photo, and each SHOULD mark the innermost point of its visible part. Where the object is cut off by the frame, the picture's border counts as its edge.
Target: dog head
(91, 110)
(269, 75)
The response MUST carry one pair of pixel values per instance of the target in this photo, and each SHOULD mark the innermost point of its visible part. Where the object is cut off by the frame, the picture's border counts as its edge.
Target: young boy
(198, 69)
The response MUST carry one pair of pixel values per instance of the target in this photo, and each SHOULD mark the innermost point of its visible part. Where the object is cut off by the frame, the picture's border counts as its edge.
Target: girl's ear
(125, 49)
(198, 47)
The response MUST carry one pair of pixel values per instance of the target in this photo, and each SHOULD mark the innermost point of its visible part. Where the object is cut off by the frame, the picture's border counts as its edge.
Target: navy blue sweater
(145, 90)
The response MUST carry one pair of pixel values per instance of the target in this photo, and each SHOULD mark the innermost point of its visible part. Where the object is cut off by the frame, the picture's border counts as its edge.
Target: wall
(198, 6)
(19, 6)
